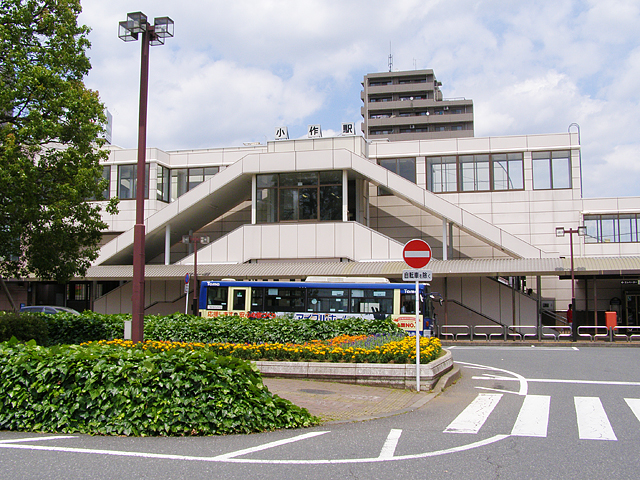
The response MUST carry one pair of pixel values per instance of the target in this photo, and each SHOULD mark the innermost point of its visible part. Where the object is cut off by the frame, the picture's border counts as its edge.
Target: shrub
(106, 389)
(24, 327)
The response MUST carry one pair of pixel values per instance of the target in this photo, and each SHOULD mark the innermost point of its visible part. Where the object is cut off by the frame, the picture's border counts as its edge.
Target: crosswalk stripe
(533, 418)
(634, 405)
(473, 417)
(593, 423)
(390, 444)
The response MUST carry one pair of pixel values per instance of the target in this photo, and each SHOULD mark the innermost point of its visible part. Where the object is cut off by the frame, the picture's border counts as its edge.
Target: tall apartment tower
(409, 106)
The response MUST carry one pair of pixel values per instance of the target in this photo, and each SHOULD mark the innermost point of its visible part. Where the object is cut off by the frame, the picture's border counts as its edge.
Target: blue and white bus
(317, 300)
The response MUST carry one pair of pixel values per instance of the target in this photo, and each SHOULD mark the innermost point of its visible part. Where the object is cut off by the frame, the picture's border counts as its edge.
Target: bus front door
(240, 298)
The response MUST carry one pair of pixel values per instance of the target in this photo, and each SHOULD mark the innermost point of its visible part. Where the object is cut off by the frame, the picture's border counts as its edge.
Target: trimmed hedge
(115, 391)
(67, 329)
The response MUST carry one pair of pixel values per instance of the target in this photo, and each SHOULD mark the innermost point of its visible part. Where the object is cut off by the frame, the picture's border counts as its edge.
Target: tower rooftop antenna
(390, 58)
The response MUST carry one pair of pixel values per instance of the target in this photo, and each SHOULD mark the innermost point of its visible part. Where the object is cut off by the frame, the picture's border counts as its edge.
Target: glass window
(609, 228)
(592, 222)
(284, 299)
(372, 301)
(106, 174)
(441, 174)
(474, 173)
(551, 170)
(179, 186)
(405, 167)
(162, 187)
(196, 177)
(507, 171)
(628, 228)
(127, 181)
(217, 298)
(328, 300)
(299, 196)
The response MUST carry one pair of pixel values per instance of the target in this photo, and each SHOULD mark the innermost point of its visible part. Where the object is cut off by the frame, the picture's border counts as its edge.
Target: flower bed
(351, 349)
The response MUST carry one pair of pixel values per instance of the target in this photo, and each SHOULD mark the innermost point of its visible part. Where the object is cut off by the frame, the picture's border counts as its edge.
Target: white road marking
(524, 386)
(473, 417)
(390, 444)
(266, 446)
(461, 448)
(593, 423)
(532, 348)
(634, 405)
(533, 418)
(559, 380)
(37, 439)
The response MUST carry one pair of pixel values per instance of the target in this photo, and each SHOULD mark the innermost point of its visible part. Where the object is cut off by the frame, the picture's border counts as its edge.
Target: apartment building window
(185, 179)
(378, 83)
(380, 99)
(474, 173)
(441, 174)
(163, 183)
(507, 171)
(127, 181)
(551, 170)
(283, 197)
(106, 193)
(384, 131)
(405, 167)
(613, 228)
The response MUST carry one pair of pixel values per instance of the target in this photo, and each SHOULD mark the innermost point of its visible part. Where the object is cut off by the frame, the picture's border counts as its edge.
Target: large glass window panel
(196, 177)
(474, 173)
(441, 174)
(507, 171)
(179, 185)
(541, 174)
(288, 204)
(298, 179)
(308, 209)
(270, 180)
(592, 222)
(162, 185)
(516, 171)
(628, 228)
(210, 172)
(609, 228)
(331, 202)
(266, 205)
(407, 168)
(126, 181)
(561, 168)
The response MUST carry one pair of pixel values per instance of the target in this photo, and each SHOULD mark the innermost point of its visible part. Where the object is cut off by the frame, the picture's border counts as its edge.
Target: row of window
(613, 228)
(416, 128)
(378, 82)
(402, 97)
(501, 171)
(171, 183)
(418, 112)
(315, 196)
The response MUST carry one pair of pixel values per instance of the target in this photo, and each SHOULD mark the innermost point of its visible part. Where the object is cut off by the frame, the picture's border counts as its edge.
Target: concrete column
(167, 245)
(445, 241)
(254, 186)
(345, 196)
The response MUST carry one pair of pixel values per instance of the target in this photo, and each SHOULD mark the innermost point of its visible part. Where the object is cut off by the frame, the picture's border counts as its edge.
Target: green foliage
(66, 328)
(50, 127)
(233, 329)
(24, 327)
(117, 391)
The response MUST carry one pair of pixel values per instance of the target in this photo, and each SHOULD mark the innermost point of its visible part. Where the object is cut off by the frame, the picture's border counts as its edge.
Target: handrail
(631, 332)
(476, 312)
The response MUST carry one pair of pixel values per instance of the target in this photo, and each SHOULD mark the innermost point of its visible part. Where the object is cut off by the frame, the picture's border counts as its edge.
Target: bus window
(217, 298)
(257, 299)
(328, 300)
(372, 301)
(239, 296)
(284, 299)
(407, 303)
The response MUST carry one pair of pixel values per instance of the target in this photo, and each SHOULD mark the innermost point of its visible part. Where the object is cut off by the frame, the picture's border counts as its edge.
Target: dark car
(48, 309)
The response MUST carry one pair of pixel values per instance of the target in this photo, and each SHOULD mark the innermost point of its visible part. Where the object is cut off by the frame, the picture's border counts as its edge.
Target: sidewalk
(345, 402)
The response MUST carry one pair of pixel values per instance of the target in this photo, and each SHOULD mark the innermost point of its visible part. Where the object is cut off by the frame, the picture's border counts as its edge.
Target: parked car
(48, 309)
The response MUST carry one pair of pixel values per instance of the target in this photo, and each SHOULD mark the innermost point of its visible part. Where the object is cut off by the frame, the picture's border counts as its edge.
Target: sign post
(186, 290)
(417, 254)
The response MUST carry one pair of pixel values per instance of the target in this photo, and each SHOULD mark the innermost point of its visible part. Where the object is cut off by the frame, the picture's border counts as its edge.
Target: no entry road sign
(416, 253)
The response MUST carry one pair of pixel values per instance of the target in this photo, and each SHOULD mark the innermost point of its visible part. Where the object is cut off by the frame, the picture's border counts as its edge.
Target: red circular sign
(416, 253)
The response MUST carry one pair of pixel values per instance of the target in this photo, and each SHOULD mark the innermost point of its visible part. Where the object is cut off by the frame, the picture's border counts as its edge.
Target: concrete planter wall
(379, 374)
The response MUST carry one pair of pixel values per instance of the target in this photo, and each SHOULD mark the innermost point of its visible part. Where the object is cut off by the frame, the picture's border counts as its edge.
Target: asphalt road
(517, 412)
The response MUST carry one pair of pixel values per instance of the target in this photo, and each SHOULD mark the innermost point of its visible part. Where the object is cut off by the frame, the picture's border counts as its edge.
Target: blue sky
(236, 70)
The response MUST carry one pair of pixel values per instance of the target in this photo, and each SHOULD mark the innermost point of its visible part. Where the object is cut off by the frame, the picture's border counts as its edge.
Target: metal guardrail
(522, 332)
(488, 331)
(629, 333)
(454, 331)
(593, 332)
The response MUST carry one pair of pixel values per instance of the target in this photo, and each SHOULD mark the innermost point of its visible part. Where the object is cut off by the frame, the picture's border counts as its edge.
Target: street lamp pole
(581, 231)
(195, 239)
(128, 31)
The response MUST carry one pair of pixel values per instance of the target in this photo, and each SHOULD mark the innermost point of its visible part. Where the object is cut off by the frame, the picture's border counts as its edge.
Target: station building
(344, 206)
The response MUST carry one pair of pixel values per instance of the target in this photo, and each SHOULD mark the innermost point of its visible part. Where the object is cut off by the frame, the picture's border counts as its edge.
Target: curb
(375, 374)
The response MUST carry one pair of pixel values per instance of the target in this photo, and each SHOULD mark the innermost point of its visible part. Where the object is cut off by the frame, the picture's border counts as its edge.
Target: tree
(50, 138)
